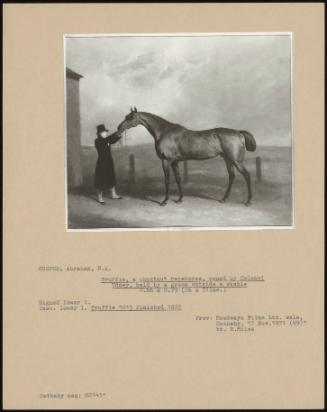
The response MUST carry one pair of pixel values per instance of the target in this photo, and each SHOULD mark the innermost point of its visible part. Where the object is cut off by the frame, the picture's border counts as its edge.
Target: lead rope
(125, 154)
(122, 141)
(125, 145)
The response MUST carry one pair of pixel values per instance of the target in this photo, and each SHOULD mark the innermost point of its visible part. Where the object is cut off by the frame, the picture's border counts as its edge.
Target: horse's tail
(250, 142)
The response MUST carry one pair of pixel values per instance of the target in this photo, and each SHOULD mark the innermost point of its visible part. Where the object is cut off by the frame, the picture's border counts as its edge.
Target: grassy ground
(207, 180)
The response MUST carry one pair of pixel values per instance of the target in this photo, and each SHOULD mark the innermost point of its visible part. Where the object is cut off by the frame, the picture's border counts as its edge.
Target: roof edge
(72, 75)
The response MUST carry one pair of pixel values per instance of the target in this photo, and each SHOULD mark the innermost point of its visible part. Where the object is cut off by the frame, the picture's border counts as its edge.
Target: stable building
(73, 130)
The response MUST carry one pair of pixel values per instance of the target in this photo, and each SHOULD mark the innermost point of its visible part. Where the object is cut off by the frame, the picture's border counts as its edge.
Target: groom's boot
(100, 198)
(113, 193)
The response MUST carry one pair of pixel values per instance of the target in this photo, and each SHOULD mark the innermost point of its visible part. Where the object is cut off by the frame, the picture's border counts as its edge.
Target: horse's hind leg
(166, 169)
(247, 178)
(231, 177)
(177, 175)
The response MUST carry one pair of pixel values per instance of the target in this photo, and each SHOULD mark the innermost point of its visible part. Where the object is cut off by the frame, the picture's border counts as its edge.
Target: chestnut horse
(175, 143)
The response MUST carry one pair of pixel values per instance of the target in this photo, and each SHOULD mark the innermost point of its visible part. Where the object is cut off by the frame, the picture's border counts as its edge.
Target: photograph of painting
(178, 131)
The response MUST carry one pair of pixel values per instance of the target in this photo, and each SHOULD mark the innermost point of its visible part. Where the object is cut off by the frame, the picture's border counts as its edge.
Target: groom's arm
(114, 137)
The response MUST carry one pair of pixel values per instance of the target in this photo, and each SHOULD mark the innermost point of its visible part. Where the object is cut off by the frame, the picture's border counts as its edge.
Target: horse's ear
(135, 109)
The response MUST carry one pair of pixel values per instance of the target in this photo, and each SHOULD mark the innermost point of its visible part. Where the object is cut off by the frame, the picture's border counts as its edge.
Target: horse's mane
(162, 120)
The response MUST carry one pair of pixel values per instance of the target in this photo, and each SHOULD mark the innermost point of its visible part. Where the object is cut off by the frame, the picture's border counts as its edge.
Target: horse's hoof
(163, 203)
(248, 203)
(222, 200)
(179, 200)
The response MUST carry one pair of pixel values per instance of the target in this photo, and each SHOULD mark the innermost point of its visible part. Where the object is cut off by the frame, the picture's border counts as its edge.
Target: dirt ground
(207, 180)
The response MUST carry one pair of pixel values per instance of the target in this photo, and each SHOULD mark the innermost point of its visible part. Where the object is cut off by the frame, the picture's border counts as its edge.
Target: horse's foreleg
(166, 169)
(231, 177)
(177, 175)
(247, 178)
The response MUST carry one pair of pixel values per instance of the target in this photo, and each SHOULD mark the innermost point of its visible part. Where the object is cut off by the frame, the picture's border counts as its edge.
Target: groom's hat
(101, 128)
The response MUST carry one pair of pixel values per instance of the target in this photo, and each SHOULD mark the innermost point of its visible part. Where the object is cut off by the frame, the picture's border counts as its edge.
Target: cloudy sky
(202, 82)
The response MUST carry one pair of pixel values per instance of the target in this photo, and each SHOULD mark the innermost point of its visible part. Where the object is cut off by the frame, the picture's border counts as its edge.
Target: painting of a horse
(175, 143)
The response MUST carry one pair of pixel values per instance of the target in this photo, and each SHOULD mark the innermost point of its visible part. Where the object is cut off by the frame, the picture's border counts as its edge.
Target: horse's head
(131, 120)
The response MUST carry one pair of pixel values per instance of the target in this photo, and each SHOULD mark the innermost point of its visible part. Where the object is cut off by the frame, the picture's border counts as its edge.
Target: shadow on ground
(207, 182)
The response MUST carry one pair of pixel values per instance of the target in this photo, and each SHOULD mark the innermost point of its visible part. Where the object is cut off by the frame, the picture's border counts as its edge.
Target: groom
(105, 177)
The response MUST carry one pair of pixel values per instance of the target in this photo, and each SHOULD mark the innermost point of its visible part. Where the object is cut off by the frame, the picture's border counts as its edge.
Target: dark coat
(104, 170)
